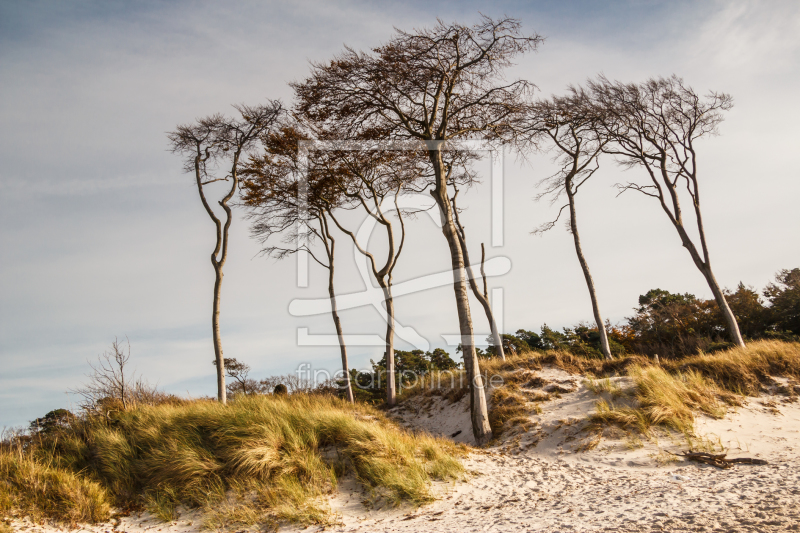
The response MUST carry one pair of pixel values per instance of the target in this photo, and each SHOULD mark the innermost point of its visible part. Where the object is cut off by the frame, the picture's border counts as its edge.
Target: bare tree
(112, 379)
(212, 140)
(271, 195)
(371, 179)
(569, 125)
(238, 371)
(433, 85)
(655, 125)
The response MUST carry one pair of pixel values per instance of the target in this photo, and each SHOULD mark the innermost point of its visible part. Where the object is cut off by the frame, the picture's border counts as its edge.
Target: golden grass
(604, 386)
(663, 399)
(260, 459)
(664, 395)
(30, 488)
(743, 370)
(509, 407)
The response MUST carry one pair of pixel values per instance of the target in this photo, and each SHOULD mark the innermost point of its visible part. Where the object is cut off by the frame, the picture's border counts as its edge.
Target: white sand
(536, 481)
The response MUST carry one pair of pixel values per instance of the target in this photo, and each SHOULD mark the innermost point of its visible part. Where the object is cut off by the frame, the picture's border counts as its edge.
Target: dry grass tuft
(744, 370)
(604, 386)
(40, 491)
(663, 399)
(510, 407)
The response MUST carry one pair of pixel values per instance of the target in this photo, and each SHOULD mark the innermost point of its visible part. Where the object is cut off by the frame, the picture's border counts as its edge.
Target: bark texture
(478, 408)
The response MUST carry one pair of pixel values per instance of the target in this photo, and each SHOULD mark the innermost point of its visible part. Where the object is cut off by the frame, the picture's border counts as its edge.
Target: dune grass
(259, 460)
(604, 386)
(28, 487)
(670, 394)
(665, 394)
(663, 399)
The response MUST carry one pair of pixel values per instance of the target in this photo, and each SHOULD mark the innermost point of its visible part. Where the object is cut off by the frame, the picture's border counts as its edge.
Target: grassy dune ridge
(258, 460)
(666, 394)
(266, 459)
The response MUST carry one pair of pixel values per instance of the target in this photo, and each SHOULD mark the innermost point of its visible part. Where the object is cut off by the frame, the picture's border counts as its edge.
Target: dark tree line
(676, 325)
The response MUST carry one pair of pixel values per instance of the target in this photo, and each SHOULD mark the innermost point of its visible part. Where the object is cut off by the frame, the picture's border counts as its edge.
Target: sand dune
(536, 479)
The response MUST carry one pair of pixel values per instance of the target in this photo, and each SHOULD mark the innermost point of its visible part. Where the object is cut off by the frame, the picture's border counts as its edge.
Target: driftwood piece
(719, 460)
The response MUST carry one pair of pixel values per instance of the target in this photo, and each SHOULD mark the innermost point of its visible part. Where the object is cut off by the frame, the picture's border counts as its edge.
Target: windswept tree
(433, 85)
(655, 125)
(567, 125)
(372, 182)
(271, 184)
(213, 148)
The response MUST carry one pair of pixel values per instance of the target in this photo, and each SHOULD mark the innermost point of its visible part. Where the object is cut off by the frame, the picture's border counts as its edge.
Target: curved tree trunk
(573, 224)
(722, 303)
(391, 389)
(221, 392)
(716, 290)
(479, 414)
(342, 347)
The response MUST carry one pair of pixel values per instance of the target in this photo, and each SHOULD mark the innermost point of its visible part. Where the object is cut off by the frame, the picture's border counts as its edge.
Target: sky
(103, 235)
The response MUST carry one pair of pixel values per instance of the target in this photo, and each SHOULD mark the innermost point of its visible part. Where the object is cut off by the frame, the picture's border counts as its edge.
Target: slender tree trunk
(221, 392)
(573, 224)
(716, 290)
(479, 414)
(342, 347)
(722, 303)
(391, 390)
(703, 263)
(496, 338)
(483, 297)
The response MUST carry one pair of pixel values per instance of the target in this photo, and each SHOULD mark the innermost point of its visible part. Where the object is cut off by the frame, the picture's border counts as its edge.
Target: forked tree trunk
(573, 224)
(479, 414)
(221, 250)
(482, 297)
(342, 346)
(384, 278)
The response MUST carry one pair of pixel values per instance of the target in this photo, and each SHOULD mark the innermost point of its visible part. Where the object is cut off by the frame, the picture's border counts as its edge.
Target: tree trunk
(479, 414)
(483, 298)
(391, 391)
(716, 290)
(573, 224)
(221, 392)
(722, 303)
(342, 347)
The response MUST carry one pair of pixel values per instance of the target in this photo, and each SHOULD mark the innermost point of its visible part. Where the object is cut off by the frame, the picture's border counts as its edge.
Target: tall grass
(666, 394)
(28, 487)
(744, 370)
(257, 460)
(670, 394)
(663, 399)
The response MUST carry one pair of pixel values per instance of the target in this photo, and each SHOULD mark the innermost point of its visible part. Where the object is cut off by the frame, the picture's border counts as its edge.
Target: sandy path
(526, 493)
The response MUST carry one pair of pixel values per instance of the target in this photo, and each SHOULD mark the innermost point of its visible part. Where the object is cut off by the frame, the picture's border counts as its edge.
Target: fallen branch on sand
(718, 460)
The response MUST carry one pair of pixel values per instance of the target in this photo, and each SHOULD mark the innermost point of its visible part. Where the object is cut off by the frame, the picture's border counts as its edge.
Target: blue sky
(102, 235)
